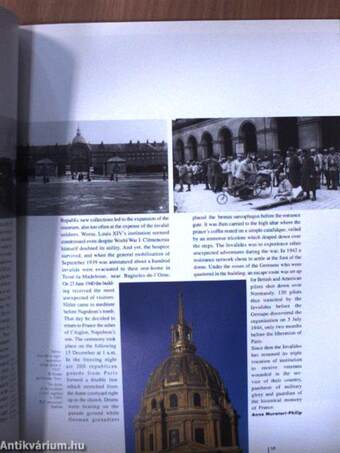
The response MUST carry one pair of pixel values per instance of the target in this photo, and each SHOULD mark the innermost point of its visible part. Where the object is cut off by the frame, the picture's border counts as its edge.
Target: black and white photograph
(93, 167)
(7, 167)
(222, 164)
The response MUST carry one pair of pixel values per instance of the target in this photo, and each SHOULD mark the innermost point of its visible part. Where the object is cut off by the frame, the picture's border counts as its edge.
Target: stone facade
(199, 139)
(185, 407)
(81, 156)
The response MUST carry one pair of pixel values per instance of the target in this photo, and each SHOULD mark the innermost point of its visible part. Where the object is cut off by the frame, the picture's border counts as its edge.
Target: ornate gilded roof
(186, 369)
(183, 366)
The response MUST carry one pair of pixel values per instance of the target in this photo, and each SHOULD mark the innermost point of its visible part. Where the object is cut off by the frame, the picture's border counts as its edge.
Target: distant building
(98, 159)
(220, 137)
(45, 167)
(185, 407)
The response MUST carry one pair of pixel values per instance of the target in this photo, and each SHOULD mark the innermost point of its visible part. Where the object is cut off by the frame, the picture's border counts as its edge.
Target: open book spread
(169, 237)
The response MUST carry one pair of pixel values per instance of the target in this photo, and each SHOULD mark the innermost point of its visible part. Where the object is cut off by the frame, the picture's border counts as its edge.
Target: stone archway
(248, 137)
(226, 142)
(330, 131)
(207, 145)
(192, 148)
(287, 133)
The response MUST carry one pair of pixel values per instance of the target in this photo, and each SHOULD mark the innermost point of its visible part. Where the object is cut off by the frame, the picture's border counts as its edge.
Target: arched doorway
(207, 145)
(179, 151)
(287, 133)
(225, 139)
(248, 137)
(192, 145)
(330, 131)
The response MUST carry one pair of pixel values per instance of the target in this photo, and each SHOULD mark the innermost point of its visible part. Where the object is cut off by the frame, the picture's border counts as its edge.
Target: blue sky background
(217, 312)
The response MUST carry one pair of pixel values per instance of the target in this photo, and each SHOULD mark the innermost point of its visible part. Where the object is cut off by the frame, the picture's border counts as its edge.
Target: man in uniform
(332, 169)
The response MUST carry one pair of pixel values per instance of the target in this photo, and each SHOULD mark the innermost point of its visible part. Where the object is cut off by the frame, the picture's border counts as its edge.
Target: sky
(217, 311)
(118, 131)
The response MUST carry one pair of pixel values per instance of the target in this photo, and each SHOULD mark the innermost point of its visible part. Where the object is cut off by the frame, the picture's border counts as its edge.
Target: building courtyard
(201, 200)
(133, 194)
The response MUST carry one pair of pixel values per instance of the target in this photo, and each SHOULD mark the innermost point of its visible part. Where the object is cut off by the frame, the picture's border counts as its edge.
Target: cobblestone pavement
(130, 195)
(200, 200)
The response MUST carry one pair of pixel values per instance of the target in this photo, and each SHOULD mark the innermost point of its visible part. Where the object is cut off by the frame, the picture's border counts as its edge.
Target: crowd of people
(306, 168)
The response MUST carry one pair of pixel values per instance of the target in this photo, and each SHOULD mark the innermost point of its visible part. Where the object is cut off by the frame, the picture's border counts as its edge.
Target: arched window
(153, 404)
(197, 400)
(199, 435)
(173, 400)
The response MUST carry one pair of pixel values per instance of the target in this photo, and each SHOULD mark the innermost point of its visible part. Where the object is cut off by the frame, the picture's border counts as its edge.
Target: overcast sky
(49, 133)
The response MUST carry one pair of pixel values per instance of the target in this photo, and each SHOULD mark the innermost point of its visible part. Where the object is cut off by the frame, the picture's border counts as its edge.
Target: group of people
(308, 169)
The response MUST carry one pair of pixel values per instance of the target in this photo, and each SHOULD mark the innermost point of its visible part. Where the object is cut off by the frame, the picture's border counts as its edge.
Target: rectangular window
(199, 435)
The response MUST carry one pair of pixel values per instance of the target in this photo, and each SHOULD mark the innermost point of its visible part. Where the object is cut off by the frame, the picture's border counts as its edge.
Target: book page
(9, 418)
(179, 201)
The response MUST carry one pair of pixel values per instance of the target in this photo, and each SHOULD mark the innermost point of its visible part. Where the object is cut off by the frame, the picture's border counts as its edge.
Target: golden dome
(186, 369)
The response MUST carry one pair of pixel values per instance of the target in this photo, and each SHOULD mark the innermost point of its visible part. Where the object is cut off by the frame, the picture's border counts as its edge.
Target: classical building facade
(185, 407)
(98, 159)
(202, 138)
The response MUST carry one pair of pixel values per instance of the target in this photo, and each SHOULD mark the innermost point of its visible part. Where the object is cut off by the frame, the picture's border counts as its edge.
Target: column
(158, 437)
(218, 432)
(267, 138)
(309, 130)
(233, 430)
(211, 433)
(137, 440)
(187, 431)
